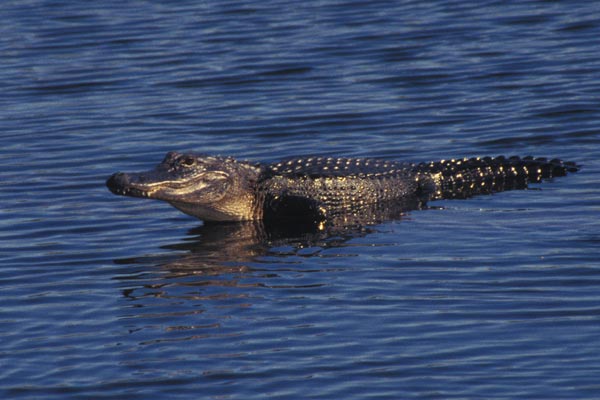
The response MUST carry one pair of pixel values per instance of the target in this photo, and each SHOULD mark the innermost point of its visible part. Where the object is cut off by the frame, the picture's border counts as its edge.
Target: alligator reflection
(202, 287)
(214, 249)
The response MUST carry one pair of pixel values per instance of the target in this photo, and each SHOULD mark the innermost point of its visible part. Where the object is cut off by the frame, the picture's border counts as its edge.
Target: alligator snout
(117, 183)
(134, 185)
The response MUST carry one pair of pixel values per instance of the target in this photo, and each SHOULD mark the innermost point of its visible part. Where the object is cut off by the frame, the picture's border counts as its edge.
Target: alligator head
(210, 188)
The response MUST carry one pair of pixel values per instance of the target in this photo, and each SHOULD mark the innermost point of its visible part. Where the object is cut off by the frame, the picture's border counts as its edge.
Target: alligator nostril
(116, 182)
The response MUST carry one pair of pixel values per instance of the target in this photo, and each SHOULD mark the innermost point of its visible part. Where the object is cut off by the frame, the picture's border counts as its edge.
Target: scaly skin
(315, 189)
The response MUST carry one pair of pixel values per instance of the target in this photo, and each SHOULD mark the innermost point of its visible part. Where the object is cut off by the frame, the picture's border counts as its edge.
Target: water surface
(110, 297)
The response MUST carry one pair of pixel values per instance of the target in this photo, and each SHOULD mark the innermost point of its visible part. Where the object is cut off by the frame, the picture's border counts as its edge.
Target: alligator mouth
(120, 183)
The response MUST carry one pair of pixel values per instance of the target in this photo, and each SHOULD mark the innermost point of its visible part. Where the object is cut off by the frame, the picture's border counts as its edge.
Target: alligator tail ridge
(463, 178)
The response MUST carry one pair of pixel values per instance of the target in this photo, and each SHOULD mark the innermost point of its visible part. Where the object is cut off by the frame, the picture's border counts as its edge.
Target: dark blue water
(110, 297)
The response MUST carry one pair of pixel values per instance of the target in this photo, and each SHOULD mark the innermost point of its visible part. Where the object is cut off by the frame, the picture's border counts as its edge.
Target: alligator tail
(459, 179)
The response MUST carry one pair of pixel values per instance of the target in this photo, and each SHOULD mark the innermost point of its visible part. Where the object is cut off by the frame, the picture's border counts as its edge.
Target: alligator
(324, 189)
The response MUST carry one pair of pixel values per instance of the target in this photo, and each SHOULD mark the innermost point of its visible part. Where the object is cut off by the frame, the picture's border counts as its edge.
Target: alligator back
(330, 187)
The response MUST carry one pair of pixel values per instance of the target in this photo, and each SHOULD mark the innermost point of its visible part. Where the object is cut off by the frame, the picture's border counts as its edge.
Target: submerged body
(316, 189)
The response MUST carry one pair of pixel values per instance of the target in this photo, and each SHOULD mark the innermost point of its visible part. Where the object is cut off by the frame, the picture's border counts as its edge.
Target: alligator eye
(188, 161)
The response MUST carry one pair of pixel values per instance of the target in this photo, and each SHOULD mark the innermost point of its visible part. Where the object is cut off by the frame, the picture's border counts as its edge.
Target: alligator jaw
(122, 184)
